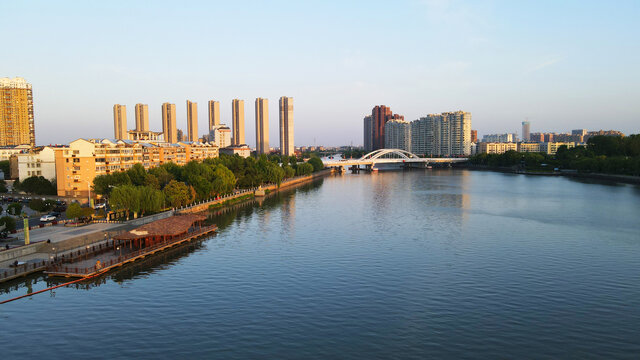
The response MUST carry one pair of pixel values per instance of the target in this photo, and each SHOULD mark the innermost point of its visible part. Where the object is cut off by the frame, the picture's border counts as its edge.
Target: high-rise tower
(262, 126)
(120, 122)
(142, 117)
(526, 130)
(214, 114)
(192, 121)
(16, 113)
(286, 126)
(380, 115)
(169, 123)
(237, 114)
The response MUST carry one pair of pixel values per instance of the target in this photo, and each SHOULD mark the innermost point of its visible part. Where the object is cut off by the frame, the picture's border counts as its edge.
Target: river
(417, 264)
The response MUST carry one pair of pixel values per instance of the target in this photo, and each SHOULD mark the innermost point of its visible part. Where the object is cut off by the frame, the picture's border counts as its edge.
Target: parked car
(100, 206)
(48, 217)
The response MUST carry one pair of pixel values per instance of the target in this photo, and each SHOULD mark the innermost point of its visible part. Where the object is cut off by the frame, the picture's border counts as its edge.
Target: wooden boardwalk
(110, 259)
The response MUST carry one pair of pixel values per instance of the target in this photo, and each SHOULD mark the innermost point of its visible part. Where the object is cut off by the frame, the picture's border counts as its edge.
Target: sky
(562, 65)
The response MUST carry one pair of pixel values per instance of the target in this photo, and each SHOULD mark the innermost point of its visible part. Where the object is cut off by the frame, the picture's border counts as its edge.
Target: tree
(274, 173)
(288, 172)
(162, 175)
(8, 222)
(151, 200)
(137, 174)
(177, 193)
(103, 184)
(224, 181)
(5, 167)
(126, 197)
(74, 211)
(36, 185)
(40, 205)
(3, 186)
(304, 169)
(316, 163)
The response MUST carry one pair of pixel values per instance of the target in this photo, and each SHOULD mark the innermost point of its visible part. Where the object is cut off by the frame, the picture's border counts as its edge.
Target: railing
(24, 269)
(80, 270)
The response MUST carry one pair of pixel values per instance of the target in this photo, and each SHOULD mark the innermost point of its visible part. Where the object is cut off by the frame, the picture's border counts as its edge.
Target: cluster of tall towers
(169, 121)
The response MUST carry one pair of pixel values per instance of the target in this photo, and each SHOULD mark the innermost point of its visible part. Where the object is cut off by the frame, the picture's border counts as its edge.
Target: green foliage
(41, 205)
(163, 177)
(177, 193)
(9, 222)
(5, 167)
(316, 163)
(3, 186)
(224, 181)
(104, 184)
(125, 197)
(304, 169)
(87, 212)
(36, 185)
(14, 209)
(137, 174)
(74, 211)
(288, 172)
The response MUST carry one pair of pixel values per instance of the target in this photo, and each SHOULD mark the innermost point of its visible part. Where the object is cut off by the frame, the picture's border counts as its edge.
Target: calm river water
(419, 264)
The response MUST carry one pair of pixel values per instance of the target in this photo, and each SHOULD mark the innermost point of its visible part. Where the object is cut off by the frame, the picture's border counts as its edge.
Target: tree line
(143, 191)
(602, 154)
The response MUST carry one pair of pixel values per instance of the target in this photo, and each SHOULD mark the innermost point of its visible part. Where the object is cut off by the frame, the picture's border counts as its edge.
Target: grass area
(231, 201)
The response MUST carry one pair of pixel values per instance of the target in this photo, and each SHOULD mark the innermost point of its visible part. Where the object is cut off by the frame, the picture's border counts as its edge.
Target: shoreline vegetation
(603, 158)
(140, 192)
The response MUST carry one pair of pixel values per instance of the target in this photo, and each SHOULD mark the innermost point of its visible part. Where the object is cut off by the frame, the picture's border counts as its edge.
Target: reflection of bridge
(390, 156)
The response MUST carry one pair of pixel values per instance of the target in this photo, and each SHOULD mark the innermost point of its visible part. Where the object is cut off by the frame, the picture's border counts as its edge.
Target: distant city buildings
(500, 138)
(214, 114)
(192, 121)
(237, 116)
(16, 113)
(368, 133)
(526, 130)
(220, 135)
(474, 136)
(120, 122)
(262, 126)
(286, 126)
(380, 114)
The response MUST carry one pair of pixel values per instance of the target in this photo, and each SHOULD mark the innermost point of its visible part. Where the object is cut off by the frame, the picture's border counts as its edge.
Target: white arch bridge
(390, 156)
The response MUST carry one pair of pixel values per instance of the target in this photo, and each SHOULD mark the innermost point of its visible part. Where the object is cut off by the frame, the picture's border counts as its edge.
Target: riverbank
(626, 179)
(36, 257)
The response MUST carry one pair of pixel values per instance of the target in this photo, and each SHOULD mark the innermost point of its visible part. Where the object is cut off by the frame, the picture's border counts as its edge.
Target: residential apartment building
(397, 135)
(262, 126)
(169, 127)
(552, 147)
(528, 147)
(36, 162)
(446, 134)
(237, 116)
(16, 113)
(380, 114)
(286, 126)
(368, 133)
(496, 147)
(500, 138)
(6, 152)
(79, 163)
(142, 117)
(220, 135)
(240, 150)
(192, 121)
(214, 114)
(120, 122)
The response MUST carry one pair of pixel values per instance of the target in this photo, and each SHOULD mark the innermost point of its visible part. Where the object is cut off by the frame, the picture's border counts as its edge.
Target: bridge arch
(376, 154)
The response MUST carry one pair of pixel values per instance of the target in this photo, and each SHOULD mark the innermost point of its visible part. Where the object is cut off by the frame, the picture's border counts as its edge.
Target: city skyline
(504, 69)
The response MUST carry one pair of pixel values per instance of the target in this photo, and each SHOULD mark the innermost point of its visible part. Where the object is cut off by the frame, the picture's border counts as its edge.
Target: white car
(100, 206)
(46, 218)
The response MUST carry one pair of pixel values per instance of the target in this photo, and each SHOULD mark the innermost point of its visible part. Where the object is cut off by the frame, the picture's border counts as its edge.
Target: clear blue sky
(562, 64)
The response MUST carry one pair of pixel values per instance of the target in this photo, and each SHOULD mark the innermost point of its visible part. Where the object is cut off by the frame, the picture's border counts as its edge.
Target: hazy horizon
(563, 66)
